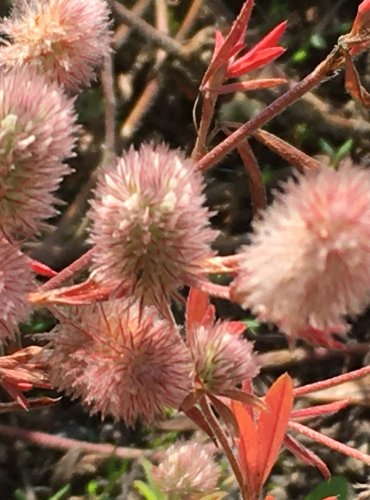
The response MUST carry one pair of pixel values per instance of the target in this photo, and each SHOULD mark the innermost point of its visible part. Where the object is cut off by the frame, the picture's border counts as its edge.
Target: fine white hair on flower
(16, 281)
(37, 127)
(121, 360)
(188, 470)
(63, 39)
(308, 264)
(149, 226)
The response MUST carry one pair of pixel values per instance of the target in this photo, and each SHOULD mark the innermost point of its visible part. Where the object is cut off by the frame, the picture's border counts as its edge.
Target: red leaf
(197, 307)
(272, 425)
(307, 456)
(247, 444)
(250, 62)
(41, 269)
(362, 19)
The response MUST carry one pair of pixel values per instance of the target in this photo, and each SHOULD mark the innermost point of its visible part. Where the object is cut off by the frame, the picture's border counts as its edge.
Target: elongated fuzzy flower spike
(121, 360)
(63, 39)
(37, 126)
(308, 265)
(149, 227)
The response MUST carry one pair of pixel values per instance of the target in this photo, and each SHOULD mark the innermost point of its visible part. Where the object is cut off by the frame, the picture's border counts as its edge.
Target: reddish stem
(67, 272)
(330, 382)
(329, 442)
(268, 113)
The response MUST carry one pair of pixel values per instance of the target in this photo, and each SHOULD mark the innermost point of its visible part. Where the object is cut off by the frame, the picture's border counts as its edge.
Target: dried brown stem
(159, 39)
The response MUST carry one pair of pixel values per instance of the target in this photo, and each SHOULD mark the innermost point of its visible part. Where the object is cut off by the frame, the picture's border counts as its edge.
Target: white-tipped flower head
(309, 261)
(37, 124)
(63, 39)
(15, 283)
(222, 358)
(149, 226)
(121, 360)
(187, 471)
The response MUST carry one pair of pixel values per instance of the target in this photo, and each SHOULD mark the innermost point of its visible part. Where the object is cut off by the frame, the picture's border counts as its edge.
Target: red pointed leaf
(362, 20)
(307, 456)
(272, 425)
(41, 269)
(247, 444)
(196, 307)
(248, 63)
(236, 33)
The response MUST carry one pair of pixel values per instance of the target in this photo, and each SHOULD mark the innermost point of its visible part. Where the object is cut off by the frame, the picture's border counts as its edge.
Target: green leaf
(146, 491)
(337, 485)
(59, 495)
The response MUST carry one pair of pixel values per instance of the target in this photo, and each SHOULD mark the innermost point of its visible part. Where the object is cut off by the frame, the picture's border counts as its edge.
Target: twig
(256, 185)
(64, 444)
(161, 40)
(107, 80)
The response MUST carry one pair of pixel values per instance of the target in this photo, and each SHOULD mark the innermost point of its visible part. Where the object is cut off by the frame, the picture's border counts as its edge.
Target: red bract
(226, 51)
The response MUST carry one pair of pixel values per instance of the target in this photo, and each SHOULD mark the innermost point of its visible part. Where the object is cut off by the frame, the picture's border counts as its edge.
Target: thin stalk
(329, 442)
(67, 272)
(224, 442)
(330, 382)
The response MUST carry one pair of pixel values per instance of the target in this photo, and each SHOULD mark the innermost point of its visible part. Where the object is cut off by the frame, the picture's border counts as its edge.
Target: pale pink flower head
(121, 360)
(308, 265)
(15, 283)
(63, 39)
(37, 124)
(187, 471)
(222, 358)
(149, 224)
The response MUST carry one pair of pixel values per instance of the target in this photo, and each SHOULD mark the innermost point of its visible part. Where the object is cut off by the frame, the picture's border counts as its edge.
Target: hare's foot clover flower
(121, 360)
(150, 229)
(37, 124)
(63, 39)
(188, 470)
(308, 265)
(222, 358)
(16, 281)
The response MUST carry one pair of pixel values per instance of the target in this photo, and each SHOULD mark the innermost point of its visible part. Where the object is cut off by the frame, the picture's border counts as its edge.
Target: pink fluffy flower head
(187, 471)
(37, 124)
(15, 283)
(149, 226)
(221, 357)
(121, 360)
(64, 39)
(309, 261)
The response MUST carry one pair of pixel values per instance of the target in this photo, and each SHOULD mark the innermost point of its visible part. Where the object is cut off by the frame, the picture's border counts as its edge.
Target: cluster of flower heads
(150, 228)
(47, 47)
(128, 361)
(308, 265)
(62, 39)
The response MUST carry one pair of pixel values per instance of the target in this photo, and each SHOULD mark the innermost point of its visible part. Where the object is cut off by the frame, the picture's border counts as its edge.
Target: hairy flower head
(222, 359)
(308, 264)
(188, 470)
(15, 283)
(149, 226)
(37, 123)
(63, 39)
(121, 360)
